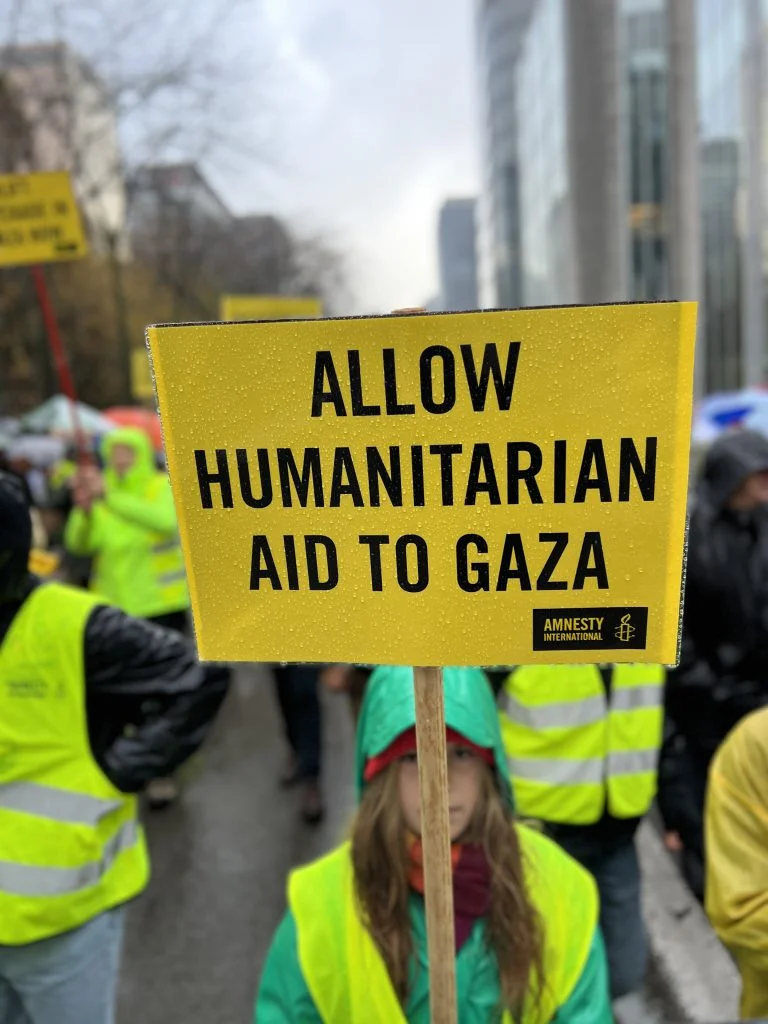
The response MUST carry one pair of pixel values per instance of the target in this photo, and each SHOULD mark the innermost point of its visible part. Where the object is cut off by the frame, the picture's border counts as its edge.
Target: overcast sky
(371, 121)
(360, 115)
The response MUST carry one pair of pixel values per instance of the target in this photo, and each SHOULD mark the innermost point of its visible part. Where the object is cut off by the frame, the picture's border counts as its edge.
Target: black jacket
(149, 700)
(723, 670)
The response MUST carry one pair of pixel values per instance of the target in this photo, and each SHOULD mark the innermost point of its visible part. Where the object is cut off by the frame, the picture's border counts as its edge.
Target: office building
(500, 30)
(60, 116)
(640, 157)
(456, 250)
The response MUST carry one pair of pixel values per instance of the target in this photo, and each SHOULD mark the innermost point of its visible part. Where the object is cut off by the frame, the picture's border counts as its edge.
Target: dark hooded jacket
(149, 700)
(723, 670)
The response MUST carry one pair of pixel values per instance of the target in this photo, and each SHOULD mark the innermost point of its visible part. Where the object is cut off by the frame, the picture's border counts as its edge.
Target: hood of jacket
(15, 538)
(729, 462)
(389, 709)
(143, 469)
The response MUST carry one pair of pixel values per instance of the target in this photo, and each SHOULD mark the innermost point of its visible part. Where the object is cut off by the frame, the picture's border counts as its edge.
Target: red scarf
(471, 883)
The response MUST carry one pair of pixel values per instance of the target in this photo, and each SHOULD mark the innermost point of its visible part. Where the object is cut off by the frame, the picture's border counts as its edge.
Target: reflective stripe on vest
(31, 880)
(56, 804)
(169, 572)
(569, 750)
(563, 715)
(559, 771)
(345, 973)
(70, 843)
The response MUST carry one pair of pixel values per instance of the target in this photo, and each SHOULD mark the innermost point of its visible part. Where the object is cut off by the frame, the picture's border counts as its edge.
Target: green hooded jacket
(388, 710)
(133, 535)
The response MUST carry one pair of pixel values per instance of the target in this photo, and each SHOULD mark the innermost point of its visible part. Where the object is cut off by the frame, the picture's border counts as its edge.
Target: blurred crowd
(583, 751)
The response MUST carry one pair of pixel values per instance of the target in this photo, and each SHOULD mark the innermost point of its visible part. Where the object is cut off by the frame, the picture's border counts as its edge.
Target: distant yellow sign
(43, 563)
(270, 307)
(141, 375)
(463, 489)
(39, 219)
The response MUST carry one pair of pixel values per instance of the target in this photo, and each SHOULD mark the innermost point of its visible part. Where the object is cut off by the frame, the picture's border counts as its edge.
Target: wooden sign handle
(436, 843)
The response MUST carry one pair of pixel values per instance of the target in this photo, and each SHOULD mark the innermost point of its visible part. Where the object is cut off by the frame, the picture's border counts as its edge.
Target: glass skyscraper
(575, 204)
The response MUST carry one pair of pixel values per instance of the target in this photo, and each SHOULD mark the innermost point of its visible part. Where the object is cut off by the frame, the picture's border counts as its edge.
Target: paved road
(196, 940)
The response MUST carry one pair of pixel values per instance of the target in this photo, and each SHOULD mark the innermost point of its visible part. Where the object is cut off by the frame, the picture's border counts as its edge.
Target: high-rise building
(572, 195)
(730, 45)
(456, 249)
(58, 115)
(639, 149)
(500, 31)
(643, 69)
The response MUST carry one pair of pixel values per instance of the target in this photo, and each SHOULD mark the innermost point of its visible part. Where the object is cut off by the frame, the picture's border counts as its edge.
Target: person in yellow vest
(736, 824)
(352, 945)
(125, 519)
(77, 742)
(582, 744)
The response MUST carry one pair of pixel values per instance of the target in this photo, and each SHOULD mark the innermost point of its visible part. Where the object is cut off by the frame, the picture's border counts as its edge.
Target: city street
(196, 941)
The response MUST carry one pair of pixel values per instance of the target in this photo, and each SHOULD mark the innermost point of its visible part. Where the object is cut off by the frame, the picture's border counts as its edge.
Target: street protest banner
(39, 219)
(270, 307)
(471, 488)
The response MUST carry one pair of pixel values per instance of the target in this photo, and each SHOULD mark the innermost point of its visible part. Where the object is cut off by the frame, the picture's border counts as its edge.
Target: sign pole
(436, 842)
(63, 371)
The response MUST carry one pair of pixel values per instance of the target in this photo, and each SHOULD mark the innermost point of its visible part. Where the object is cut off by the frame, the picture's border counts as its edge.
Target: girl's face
(465, 773)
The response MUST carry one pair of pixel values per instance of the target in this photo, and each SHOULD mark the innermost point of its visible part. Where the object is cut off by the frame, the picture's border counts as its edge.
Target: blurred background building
(601, 123)
(457, 254)
(57, 114)
(501, 26)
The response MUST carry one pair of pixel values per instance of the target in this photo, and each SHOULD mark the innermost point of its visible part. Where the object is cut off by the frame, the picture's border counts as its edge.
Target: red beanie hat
(406, 744)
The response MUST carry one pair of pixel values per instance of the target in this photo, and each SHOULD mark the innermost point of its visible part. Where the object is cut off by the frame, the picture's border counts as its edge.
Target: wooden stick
(436, 843)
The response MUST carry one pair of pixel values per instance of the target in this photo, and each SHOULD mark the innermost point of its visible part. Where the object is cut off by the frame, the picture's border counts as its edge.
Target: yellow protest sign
(270, 307)
(469, 488)
(141, 376)
(39, 219)
(43, 563)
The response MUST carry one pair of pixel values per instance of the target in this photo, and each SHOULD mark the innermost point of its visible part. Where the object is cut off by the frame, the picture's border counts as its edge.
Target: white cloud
(372, 120)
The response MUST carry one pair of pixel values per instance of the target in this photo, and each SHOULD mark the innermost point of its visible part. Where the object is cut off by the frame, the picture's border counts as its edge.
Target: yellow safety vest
(347, 977)
(70, 843)
(570, 750)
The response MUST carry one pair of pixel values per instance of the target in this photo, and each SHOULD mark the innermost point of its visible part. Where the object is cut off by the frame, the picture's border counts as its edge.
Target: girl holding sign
(352, 945)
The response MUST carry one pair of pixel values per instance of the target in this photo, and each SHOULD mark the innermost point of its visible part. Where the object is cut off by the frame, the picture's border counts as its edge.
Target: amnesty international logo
(625, 630)
(590, 629)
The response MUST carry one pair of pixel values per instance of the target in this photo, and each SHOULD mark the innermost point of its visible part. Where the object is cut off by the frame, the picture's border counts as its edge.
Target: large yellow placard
(270, 307)
(457, 489)
(39, 219)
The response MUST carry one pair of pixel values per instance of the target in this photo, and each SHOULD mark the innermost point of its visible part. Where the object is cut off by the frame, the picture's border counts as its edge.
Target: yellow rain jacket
(133, 535)
(737, 856)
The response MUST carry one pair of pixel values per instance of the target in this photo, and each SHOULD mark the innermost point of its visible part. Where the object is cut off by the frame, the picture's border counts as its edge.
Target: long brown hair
(514, 930)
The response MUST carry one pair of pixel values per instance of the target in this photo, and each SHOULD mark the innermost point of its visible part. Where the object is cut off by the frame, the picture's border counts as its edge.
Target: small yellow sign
(458, 489)
(270, 307)
(142, 387)
(43, 563)
(39, 219)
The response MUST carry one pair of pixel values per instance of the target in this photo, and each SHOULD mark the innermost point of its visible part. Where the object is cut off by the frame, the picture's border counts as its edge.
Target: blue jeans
(617, 873)
(68, 979)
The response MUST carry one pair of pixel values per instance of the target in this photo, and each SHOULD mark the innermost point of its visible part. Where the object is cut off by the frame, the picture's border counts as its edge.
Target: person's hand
(87, 487)
(337, 677)
(95, 482)
(81, 492)
(673, 842)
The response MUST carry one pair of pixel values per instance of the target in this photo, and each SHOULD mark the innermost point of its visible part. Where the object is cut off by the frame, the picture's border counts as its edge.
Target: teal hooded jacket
(388, 710)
